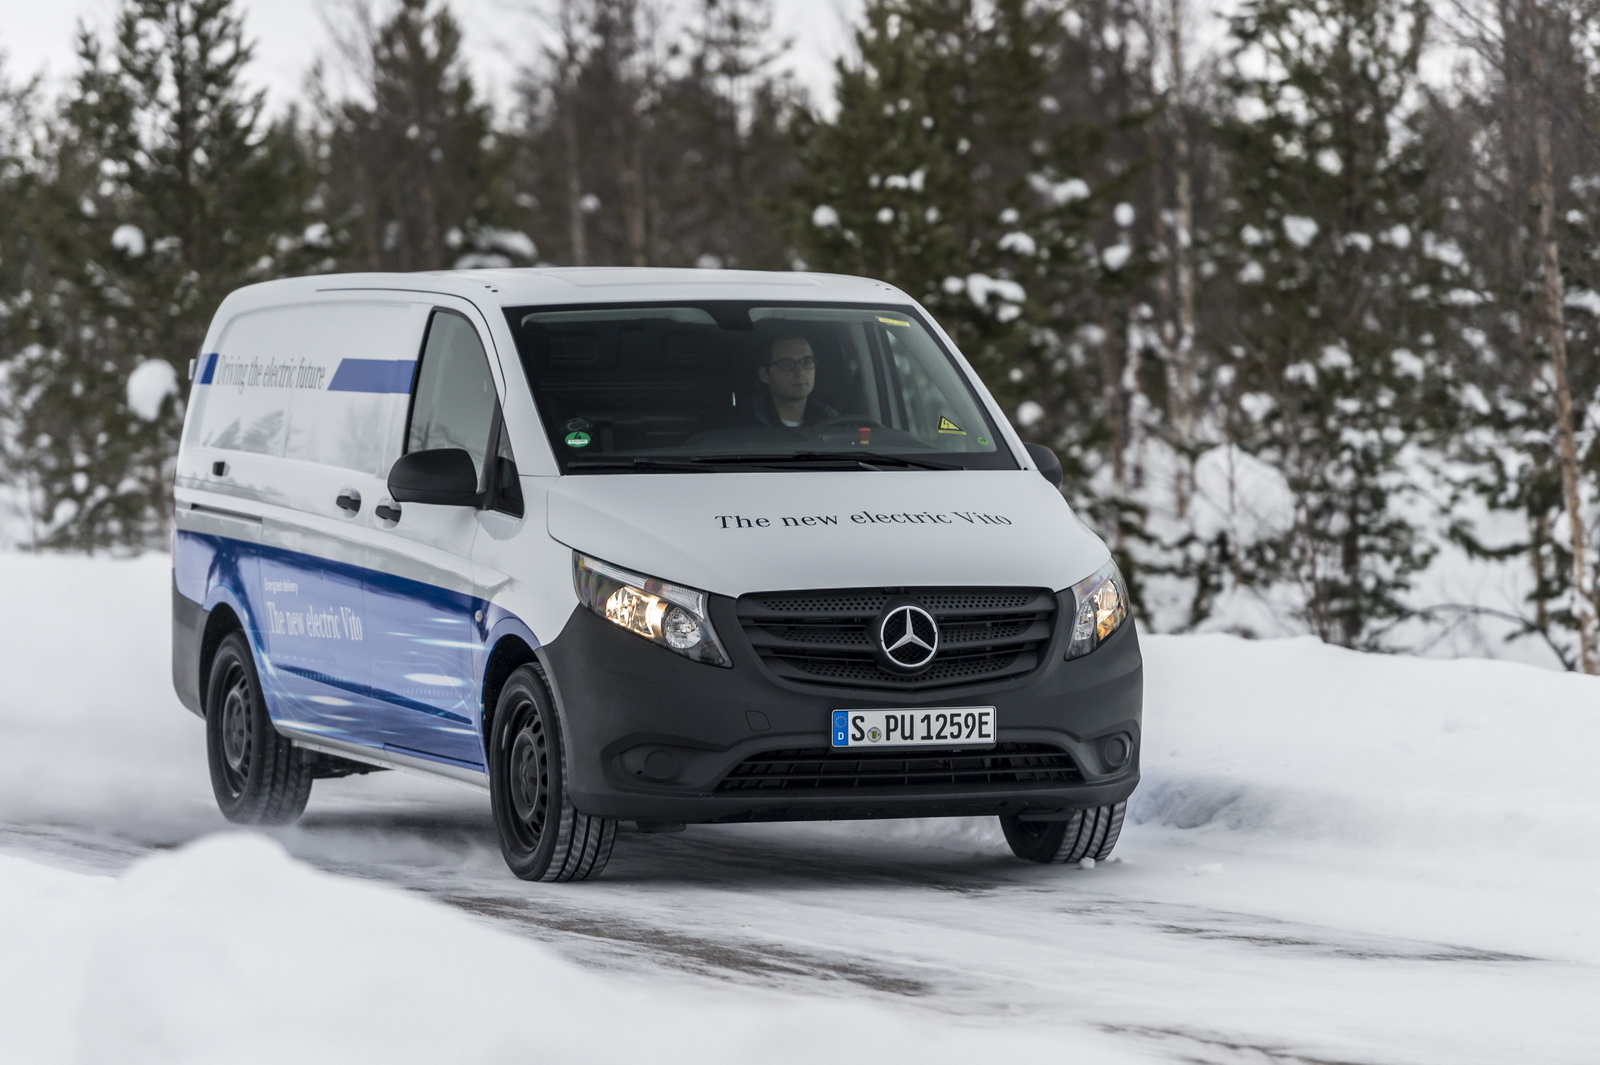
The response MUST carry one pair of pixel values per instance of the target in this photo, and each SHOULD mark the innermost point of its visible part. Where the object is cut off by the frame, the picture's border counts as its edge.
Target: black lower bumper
(188, 623)
(653, 736)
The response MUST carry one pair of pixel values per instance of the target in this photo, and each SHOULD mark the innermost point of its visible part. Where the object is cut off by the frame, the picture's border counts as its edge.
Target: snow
(1335, 357)
(914, 181)
(981, 286)
(128, 239)
(228, 952)
(1124, 214)
(1407, 364)
(1332, 857)
(1116, 256)
(1586, 299)
(1239, 494)
(1019, 242)
(1300, 230)
(1060, 193)
(512, 242)
(824, 217)
(149, 385)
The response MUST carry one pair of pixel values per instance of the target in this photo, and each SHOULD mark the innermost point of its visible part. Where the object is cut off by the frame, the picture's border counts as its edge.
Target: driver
(789, 374)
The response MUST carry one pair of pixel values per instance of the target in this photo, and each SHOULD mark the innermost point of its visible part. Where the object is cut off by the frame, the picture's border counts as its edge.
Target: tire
(542, 836)
(258, 776)
(1084, 834)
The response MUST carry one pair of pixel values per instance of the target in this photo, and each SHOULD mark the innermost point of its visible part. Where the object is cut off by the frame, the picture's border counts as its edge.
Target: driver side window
(455, 400)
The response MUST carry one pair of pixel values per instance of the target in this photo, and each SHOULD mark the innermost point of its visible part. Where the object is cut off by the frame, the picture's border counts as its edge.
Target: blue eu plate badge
(841, 728)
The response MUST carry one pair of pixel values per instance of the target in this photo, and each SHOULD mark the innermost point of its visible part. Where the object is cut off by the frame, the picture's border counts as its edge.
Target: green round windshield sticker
(983, 441)
(577, 439)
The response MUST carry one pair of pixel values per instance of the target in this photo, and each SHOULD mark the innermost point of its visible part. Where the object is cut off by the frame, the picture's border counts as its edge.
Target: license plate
(950, 726)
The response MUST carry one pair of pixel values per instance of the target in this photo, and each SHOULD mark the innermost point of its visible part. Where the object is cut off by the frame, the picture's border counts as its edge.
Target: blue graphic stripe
(377, 693)
(412, 704)
(373, 375)
(208, 371)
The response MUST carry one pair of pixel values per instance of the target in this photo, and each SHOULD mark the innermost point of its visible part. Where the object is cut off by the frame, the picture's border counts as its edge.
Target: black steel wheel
(542, 836)
(258, 776)
(1090, 833)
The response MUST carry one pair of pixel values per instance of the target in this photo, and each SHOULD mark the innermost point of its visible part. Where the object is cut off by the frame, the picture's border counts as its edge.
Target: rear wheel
(258, 776)
(542, 836)
(1090, 833)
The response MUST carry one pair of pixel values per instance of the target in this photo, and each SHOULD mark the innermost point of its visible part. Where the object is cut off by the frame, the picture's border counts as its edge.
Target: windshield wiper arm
(640, 463)
(874, 461)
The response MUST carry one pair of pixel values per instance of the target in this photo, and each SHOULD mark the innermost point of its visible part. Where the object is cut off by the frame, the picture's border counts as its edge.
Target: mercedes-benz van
(648, 546)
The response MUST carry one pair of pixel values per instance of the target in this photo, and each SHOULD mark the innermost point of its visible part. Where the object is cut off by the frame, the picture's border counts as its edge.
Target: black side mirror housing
(1047, 461)
(444, 477)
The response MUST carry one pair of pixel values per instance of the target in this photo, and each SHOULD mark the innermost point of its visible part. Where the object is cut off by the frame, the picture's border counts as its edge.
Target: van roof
(592, 284)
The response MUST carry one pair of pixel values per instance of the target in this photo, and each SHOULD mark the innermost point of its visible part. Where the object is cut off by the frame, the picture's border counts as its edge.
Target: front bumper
(652, 735)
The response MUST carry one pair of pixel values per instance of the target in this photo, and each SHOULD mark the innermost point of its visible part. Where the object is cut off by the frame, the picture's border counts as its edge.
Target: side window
(455, 400)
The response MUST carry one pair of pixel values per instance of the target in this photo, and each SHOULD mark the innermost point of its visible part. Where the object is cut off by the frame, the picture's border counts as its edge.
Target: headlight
(670, 615)
(1102, 604)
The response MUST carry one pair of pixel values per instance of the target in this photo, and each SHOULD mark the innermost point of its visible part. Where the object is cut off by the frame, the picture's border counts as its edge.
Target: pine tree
(1543, 84)
(415, 175)
(165, 190)
(639, 146)
(1343, 284)
(979, 159)
(725, 150)
(18, 275)
(936, 173)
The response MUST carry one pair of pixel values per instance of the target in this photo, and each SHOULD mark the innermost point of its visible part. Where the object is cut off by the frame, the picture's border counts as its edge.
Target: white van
(656, 546)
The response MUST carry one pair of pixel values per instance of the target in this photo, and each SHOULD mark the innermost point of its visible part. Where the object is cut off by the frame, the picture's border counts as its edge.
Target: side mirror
(444, 477)
(1049, 465)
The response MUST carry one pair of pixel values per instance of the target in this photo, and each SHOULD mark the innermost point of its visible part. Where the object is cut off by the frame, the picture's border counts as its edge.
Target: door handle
(349, 501)
(387, 511)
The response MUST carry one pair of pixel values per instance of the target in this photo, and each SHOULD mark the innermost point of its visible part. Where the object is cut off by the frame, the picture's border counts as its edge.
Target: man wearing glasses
(790, 374)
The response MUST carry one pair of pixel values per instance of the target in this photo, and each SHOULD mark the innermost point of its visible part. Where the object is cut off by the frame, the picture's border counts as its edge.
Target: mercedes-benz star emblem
(909, 637)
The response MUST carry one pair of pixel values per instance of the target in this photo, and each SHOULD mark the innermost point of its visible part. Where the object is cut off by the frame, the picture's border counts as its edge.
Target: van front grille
(821, 768)
(825, 637)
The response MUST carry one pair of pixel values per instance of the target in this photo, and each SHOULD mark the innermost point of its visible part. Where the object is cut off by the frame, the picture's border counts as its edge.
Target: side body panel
(277, 490)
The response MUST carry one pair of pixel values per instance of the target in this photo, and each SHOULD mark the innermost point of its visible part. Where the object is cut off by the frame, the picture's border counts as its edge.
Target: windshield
(709, 386)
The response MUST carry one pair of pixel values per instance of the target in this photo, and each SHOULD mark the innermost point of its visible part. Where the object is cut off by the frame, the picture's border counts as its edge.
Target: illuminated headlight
(1102, 604)
(663, 613)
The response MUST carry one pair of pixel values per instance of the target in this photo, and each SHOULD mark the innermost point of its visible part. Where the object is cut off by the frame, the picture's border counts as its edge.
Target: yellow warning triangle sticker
(948, 426)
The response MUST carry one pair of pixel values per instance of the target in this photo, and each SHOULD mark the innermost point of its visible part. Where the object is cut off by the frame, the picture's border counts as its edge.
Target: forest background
(1309, 308)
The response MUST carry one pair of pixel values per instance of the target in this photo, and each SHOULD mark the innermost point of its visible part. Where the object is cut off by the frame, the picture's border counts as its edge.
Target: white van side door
(427, 649)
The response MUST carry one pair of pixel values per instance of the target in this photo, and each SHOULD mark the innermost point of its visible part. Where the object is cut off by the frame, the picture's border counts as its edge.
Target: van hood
(733, 533)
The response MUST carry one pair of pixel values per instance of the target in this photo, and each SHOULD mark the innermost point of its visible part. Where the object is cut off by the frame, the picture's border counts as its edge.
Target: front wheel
(1090, 833)
(542, 836)
(257, 775)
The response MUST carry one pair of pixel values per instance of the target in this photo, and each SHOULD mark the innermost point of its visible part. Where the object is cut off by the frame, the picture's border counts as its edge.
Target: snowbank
(228, 952)
(1310, 742)
(1440, 802)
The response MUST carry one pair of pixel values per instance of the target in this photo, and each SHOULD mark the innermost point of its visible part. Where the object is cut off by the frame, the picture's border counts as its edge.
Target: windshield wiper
(640, 463)
(711, 463)
(833, 458)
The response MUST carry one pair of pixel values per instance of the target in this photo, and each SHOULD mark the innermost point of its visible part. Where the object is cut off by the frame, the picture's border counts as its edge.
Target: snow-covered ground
(1334, 858)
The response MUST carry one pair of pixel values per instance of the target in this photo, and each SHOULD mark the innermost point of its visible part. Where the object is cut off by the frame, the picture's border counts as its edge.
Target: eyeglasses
(806, 362)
